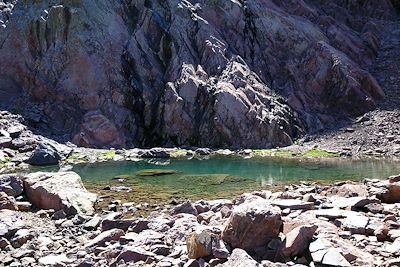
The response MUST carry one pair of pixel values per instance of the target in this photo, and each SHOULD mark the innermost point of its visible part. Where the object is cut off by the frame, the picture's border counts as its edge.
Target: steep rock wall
(220, 73)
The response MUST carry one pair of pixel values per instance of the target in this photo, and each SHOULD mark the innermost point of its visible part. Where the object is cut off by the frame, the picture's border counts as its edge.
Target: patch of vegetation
(4, 162)
(76, 157)
(314, 153)
(274, 153)
(319, 153)
(155, 172)
(179, 153)
(109, 155)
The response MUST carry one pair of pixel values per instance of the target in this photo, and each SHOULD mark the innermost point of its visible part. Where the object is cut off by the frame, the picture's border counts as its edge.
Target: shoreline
(357, 222)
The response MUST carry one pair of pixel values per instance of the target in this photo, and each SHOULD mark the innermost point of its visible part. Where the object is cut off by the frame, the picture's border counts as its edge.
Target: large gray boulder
(59, 191)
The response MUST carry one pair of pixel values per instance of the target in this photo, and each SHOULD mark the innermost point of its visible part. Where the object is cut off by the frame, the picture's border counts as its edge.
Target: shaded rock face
(220, 73)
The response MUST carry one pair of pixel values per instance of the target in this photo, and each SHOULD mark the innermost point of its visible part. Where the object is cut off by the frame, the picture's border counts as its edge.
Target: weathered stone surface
(54, 260)
(48, 191)
(11, 184)
(293, 204)
(252, 224)
(240, 258)
(116, 224)
(7, 202)
(223, 85)
(107, 236)
(200, 245)
(44, 155)
(297, 240)
(356, 224)
(333, 258)
(93, 223)
(133, 254)
(186, 207)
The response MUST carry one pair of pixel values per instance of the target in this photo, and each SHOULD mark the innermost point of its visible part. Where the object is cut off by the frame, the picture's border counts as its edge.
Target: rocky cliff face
(256, 73)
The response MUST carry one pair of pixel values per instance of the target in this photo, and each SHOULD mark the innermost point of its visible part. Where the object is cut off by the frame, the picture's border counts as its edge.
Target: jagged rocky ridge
(218, 73)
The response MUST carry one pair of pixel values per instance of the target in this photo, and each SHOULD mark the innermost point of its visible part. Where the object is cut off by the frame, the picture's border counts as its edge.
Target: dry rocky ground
(375, 133)
(347, 224)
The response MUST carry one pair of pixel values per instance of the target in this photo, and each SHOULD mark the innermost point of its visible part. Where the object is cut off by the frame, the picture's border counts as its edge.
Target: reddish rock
(297, 241)
(47, 191)
(200, 245)
(252, 224)
(7, 202)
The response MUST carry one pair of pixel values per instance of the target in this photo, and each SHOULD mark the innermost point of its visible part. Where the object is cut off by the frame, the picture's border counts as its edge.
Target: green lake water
(221, 177)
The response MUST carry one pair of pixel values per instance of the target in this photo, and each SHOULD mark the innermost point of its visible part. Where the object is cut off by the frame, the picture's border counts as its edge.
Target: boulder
(356, 224)
(10, 223)
(333, 257)
(11, 184)
(54, 260)
(21, 237)
(107, 224)
(48, 191)
(134, 254)
(7, 202)
(107, 236)
(186, 207)
(297, 241)
(240, 258)
(44, 155)
(93, 223)
(200, 245)
(252, 224)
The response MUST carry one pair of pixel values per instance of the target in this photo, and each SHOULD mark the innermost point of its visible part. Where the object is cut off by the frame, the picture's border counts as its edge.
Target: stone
(47, 191)
(333, 258)
(58, 215)
(134, 254)
(392, 263)
(4, 243)
(44, 155)
(252, 225)
(297, 241)
(54, 260)
(200, 245)
(356, 224)
(107, 236)
(293, 204)
(205, 216)
(21, 237)
(240, 258)
(192, 263)
(93, 223)
(24, 206)
(7, 202)
(394, 248)
(163, 250)
(10, 223)
(390, 194)
(374, 208)
(113, 224)
(186, 207)
(11, 185)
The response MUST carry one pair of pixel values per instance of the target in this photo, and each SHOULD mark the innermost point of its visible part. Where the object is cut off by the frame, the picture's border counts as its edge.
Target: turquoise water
(224, 177)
